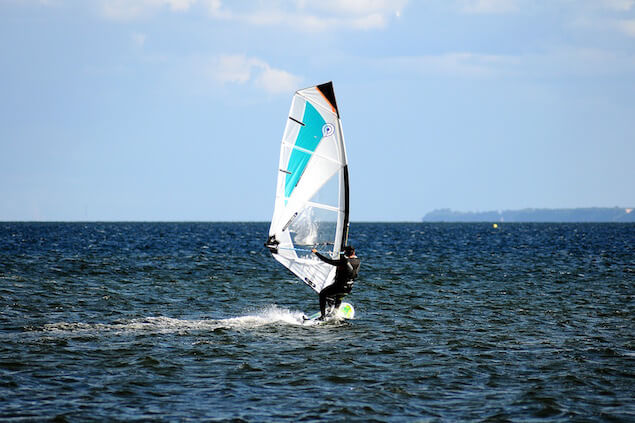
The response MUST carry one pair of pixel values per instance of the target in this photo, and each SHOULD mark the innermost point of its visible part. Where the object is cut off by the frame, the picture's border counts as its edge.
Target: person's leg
(329, 291)
(338, 301)
(322, 304)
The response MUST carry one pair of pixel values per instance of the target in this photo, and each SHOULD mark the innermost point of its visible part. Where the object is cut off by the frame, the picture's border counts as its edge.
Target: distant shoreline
(577, 215)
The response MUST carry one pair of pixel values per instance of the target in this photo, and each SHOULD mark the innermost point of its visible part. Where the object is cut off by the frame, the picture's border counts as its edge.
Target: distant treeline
(592, 214)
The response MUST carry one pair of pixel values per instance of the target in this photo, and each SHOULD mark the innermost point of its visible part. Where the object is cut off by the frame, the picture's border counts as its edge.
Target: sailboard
(345, 311)
(312, 192)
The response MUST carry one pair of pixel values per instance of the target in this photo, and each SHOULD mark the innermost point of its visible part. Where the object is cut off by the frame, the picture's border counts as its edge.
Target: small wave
(271, 314)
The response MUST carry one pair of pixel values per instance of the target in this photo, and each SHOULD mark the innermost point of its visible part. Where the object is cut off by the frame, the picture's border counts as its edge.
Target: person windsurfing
(345, 275)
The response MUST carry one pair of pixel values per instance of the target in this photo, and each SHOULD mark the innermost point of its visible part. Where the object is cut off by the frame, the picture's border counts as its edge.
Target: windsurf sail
(312, 194)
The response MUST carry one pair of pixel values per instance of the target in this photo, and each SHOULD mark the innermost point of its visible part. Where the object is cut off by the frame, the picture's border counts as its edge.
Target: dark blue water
(180, 321)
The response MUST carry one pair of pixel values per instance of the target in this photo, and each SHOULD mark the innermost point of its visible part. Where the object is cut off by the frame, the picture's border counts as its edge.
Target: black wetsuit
(345, 274)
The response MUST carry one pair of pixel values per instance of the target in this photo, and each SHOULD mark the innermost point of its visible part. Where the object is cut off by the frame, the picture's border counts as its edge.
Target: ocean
(197, 322)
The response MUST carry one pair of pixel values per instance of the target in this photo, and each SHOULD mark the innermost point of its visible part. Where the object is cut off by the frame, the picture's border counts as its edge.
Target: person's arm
(326, 259)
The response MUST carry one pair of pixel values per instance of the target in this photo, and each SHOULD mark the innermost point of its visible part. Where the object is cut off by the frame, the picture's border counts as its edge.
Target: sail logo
(328, 129)
(309, 282)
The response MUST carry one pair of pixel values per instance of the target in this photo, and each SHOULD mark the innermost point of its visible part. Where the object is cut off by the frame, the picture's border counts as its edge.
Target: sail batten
(295, 147)
(311, 202)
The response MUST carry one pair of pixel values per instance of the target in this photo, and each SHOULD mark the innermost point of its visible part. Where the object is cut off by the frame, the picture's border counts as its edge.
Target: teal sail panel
(308, 139)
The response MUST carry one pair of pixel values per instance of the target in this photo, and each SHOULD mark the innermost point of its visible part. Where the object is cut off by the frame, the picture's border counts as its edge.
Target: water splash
(270, 315)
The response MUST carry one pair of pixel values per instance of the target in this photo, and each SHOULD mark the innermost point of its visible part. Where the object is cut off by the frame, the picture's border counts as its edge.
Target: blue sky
(174, 109)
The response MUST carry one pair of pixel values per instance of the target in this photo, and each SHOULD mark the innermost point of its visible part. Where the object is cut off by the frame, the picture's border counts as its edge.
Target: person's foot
(321, 318)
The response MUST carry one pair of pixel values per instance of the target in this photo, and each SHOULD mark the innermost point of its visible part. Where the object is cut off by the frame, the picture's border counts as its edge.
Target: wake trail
(166, 325)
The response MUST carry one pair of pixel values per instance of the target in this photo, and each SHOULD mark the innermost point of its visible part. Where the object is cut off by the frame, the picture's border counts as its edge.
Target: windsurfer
(345, 274)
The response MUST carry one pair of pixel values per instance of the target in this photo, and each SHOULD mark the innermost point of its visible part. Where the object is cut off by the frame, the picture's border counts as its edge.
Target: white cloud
(375, 20)
(626, 26)
(354, 7)
(133, 9)
(619, 5)
(606, 24)
(489, 6)
(564, 62)
(610, 17)
(277, 81)
(312, 16)
(355, 14)
(180, 4)
(235, 69)
(240, 69)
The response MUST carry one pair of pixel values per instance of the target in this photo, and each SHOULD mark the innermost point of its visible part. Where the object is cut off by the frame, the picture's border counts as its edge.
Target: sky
(173, 110)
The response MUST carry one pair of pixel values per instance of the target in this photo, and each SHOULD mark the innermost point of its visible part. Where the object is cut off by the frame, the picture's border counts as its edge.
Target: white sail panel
(311, 206)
